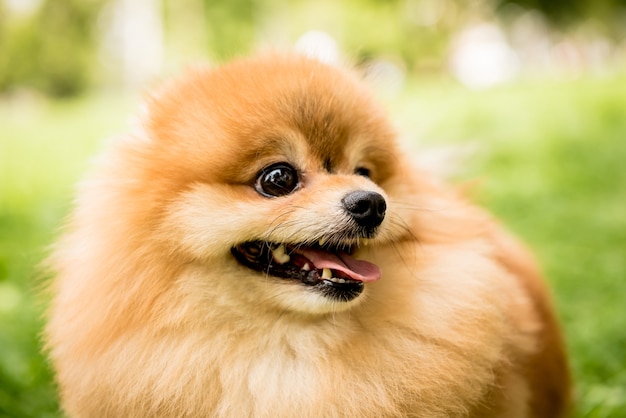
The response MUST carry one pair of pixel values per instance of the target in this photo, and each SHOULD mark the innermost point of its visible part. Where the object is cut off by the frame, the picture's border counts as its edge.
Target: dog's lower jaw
(311, 301)
(256, 293)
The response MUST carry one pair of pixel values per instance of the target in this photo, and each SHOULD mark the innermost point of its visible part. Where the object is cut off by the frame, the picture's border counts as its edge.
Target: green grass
(550, 163)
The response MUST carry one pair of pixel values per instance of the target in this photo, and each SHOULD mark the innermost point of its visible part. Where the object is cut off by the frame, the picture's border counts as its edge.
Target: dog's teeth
(322, 241)
(306, 267)
(326, 274)
(341, 281)
(279, 254)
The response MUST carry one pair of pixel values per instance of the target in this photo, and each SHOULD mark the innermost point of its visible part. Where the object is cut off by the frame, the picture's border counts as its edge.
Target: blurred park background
(527, 96)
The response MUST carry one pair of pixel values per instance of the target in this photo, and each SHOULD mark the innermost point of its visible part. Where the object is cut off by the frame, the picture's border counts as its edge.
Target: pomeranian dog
(261, 247)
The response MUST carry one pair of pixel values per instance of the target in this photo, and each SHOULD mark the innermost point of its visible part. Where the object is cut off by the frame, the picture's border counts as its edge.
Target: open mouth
(331, 271)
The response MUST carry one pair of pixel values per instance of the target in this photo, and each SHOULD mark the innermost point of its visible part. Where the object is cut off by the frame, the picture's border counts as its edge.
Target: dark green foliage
(570, 12)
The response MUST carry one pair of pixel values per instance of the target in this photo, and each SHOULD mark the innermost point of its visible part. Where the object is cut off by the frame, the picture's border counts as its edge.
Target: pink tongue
(360, 270)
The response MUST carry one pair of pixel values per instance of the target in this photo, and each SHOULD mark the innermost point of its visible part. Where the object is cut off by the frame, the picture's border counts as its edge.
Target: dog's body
(215, 266)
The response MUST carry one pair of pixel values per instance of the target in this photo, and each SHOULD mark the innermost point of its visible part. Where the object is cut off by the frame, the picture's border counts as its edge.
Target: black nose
(366, 208)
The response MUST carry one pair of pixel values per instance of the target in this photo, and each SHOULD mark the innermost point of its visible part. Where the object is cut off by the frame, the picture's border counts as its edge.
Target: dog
(261, 246)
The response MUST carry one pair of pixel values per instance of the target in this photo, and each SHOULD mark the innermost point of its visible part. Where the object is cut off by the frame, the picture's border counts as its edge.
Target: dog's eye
(277, 180)
(362, 171)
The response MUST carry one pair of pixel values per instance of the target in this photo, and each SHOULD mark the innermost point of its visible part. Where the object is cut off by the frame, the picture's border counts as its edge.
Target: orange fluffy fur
(153, 316)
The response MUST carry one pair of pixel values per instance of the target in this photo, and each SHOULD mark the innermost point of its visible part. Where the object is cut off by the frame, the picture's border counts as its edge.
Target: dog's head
(278, 170)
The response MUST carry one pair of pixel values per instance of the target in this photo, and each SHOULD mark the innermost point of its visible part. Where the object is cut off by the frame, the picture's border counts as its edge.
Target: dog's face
(283, 165)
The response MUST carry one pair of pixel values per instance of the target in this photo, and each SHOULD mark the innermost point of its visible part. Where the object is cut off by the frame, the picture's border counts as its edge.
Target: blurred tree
(68, 47)
(569, 12)
(231, 25)
(52, 49)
